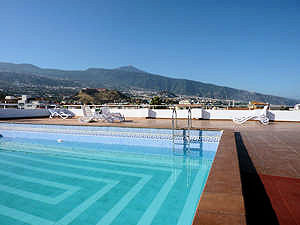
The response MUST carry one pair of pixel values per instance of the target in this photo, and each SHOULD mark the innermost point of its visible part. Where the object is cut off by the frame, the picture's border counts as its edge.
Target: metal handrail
(174, 122)
(189, 122)
(186, 135)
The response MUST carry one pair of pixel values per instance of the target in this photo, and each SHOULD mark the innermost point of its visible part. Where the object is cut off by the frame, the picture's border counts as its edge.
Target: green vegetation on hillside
(156, 100)
(101, 96)
(2, 95)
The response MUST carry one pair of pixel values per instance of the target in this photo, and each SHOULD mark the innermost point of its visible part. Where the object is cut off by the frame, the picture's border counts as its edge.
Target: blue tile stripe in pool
(82, 181)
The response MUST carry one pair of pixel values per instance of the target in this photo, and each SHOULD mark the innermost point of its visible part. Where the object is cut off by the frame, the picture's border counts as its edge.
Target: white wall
(279, 115)
(132, 112)
(23, 113)
(181, 114)
(125, 112)
(276, 115)
(224, 114)
(77, 112)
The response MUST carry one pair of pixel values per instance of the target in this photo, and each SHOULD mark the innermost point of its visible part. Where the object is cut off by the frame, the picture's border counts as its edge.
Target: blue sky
(252, 45)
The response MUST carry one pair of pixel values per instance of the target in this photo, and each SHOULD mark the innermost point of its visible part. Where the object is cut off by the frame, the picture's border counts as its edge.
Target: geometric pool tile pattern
(50, 188)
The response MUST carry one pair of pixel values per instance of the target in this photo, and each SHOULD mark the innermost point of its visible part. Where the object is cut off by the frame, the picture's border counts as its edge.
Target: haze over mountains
(123, 78)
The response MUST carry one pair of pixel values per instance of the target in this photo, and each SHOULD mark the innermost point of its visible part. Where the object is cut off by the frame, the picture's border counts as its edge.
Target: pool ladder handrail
(175, 125)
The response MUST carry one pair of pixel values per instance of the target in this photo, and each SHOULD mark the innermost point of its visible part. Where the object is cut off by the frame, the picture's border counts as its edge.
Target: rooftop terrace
(255, 177)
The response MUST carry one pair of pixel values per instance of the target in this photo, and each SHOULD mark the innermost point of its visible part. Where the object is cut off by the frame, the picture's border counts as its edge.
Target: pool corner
(222, 200)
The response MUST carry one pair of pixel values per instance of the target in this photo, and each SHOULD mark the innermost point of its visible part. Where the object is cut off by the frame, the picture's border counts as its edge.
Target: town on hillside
(101, 96)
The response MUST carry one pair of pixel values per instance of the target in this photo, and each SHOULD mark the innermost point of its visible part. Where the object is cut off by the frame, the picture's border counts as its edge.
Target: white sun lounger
(104, 115)
(88, 115)
(110, 117)
(60, 113)
(261, 116)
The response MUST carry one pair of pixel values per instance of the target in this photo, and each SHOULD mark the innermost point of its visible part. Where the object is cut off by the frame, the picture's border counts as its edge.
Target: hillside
(26, 83)
(13, 78)
(101, 96)
(2, 95)
(123, 78)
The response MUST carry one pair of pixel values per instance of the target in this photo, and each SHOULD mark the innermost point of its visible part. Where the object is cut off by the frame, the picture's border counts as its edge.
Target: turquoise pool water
(121, 176)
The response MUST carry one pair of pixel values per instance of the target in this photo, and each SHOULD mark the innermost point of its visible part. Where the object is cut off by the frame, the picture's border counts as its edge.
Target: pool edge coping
(104, 125)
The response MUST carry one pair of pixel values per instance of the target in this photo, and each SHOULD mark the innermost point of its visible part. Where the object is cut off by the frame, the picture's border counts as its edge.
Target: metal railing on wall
(142, 106)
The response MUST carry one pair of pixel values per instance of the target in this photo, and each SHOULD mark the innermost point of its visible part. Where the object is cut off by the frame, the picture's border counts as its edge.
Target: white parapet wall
(77, 112)
(197, 113)
(224, 114)
(279, 115)
(143, 112)
(181, 114)
(274, 115)
(23, 113)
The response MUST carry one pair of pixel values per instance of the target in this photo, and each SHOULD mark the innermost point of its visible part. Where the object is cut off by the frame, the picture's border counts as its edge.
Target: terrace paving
(255, 177)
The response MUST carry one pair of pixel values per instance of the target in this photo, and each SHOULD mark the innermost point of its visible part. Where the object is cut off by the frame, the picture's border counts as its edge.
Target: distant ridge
(123, 78)
(130, 69)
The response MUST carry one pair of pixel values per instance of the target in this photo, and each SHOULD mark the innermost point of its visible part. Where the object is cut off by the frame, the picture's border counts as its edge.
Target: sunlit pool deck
(255, 177)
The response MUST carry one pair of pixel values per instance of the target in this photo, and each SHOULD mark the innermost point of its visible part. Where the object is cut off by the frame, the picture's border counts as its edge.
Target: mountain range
(124, 78)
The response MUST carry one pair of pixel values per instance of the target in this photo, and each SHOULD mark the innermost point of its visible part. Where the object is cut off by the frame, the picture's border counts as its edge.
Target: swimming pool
(102, 175)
